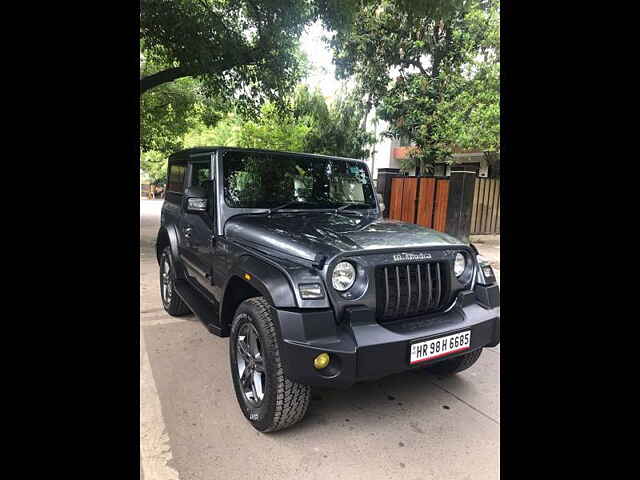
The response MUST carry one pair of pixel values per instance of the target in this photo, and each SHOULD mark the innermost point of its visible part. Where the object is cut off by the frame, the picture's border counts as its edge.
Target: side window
(200, 173)
(175, 182)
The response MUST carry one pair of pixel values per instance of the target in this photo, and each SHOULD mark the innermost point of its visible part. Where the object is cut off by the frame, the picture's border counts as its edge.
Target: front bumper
(362, 349)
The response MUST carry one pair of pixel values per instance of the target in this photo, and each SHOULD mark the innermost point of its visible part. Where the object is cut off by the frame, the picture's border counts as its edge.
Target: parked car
(287, 255)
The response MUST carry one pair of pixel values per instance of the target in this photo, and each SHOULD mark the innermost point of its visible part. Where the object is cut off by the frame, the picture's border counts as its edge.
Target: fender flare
(172, 235)
(271, 282)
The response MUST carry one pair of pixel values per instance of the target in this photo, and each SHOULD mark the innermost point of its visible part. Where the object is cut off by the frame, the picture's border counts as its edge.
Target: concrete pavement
(407, 426)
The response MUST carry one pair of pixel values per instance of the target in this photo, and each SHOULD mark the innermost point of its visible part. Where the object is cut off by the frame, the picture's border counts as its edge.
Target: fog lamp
(321, 361)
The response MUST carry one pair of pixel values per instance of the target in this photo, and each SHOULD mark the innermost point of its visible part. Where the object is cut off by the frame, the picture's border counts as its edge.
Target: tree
(308, 124)
(240, 49)
(274, 130)
(171, 110)
(471, 111)
(194, 53)
(226, 133)
(154, 164)
(336, 129)
(166, 115)
(413, 60)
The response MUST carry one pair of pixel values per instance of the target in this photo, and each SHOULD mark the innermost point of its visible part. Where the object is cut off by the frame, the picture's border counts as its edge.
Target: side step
(204, 310)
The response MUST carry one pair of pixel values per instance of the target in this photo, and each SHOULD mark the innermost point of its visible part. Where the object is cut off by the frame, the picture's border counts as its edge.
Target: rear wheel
(456, 364)
(172, 303)
(268, 399)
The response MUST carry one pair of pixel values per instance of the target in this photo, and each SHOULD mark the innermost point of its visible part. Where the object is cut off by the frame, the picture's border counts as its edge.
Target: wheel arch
(251, 277)
(166, 236)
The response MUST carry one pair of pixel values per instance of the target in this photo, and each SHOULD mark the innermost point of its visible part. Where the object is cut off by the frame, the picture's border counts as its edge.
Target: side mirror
(197, 205)
(196, 200)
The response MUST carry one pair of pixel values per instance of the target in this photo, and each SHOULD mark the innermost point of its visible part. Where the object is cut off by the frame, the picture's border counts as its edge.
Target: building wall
(382, 154)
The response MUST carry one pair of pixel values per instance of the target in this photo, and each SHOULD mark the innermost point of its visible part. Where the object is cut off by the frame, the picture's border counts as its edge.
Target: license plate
(439, 347)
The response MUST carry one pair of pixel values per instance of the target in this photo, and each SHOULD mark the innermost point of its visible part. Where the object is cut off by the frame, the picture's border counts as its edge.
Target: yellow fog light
(321, 361)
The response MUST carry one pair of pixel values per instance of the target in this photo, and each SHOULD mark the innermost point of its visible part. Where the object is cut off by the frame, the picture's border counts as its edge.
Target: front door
(196, 228)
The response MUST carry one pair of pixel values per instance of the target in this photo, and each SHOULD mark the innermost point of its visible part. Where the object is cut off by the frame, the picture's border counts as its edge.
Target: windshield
(265, 180)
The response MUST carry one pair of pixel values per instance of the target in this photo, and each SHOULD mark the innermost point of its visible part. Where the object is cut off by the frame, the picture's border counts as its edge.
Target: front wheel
(268, 399)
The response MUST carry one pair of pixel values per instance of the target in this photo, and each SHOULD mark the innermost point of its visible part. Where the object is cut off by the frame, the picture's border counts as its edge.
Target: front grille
(411, 289)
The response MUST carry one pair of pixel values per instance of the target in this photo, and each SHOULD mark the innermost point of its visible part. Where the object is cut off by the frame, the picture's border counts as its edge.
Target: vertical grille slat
(386, 290)
(438, 285)
(418, 303)
(398, 290)
(406, 311)
(429, 286)
(411, 289)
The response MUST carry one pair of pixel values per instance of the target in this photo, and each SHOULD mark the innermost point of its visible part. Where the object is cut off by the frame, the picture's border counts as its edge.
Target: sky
(322, 76)
(322, 73)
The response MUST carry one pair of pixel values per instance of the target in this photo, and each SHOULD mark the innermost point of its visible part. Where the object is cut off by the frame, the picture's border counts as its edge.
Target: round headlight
(343, 276)
(459, 264)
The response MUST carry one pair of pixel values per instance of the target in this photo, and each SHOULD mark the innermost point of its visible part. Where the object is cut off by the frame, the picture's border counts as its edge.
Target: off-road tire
(285, 402)
(456, 364)
(175, 306)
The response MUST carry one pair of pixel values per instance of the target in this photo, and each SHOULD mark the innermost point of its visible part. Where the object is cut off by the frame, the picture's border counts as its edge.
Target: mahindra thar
(288, 255)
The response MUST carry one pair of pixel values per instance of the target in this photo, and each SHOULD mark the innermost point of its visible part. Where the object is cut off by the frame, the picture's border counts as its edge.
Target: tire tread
(292, 398)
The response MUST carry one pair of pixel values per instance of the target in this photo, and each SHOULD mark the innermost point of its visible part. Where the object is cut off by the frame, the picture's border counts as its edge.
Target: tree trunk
(165, 76)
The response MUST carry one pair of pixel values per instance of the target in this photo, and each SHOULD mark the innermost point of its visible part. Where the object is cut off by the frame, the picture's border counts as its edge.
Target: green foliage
(306, 123)
(226, 133)
(472, 109)
(240, 49)
(431, 68)
(274, 130)
(336, 129)
(154, 164)
(166, 115)
(171, 110)
(196, 52)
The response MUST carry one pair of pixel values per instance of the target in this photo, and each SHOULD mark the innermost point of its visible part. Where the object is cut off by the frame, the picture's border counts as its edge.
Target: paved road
(407, 426)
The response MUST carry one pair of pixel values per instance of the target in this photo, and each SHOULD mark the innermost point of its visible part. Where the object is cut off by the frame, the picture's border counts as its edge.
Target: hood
(329, 234)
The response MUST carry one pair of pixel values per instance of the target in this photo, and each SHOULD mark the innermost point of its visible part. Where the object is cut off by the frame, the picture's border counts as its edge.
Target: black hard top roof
(189, 152)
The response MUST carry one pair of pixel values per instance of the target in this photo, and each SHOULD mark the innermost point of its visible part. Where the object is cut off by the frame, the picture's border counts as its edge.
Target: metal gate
(485, 213)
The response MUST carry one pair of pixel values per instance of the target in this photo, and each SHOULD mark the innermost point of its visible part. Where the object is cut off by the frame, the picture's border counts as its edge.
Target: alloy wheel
(250, 363)
(166, 282)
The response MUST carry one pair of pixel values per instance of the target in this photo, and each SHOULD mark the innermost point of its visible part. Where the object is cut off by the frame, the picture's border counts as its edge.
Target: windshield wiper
(280, 207)
(350, 204)
(288, 204)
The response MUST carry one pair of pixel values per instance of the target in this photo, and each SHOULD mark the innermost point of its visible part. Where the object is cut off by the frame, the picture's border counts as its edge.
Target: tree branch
(418, 65)
(169, 75)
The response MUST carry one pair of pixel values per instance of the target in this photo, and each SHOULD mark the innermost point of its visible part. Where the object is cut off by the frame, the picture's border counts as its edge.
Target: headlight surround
(343, 277)
(459, 265)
